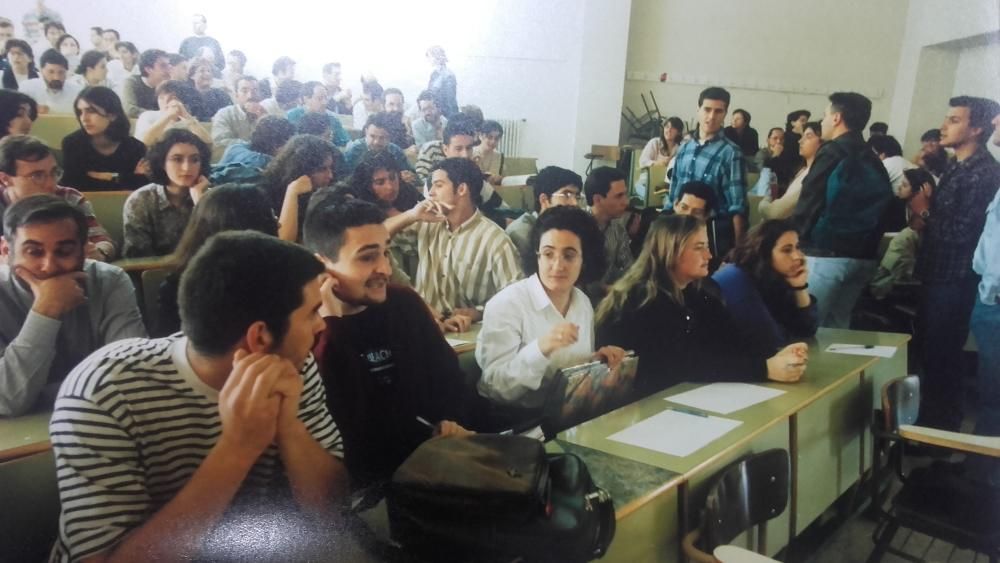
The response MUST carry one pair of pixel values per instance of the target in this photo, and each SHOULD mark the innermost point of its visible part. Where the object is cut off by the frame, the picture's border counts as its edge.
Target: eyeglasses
(569, 257)
(40, 177)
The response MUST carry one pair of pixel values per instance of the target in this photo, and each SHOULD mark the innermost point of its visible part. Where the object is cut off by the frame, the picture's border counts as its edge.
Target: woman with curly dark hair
(765, 287)
(306, 163)
(101, 154)
(156, 214)
(376, 180)
(545, 322)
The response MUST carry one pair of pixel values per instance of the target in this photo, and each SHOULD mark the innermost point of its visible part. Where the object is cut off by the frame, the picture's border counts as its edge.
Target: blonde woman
(665, 309)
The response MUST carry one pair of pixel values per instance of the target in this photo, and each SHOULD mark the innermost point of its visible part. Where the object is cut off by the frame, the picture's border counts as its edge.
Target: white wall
(547, 62)
(978, 74)
(774, 56)
(937, 25)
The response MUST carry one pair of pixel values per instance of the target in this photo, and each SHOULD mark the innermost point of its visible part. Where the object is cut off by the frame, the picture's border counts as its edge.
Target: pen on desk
(835, 347)
(692, 412)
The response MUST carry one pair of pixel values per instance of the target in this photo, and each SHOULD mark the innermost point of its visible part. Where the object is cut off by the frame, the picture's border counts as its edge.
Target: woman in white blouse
(540, 324)
(783, 207)
(660, 150)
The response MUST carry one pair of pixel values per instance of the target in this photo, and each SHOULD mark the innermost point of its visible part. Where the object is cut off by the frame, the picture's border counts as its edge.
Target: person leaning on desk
(666, 310)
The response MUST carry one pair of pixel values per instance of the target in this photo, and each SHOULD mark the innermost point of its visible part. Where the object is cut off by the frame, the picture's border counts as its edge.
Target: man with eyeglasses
(56, 307)
(552, 186)
(27, 168)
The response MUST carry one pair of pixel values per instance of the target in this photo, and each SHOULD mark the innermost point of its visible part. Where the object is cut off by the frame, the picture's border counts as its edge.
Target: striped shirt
(719, 163)
(131, 425)
(464, 268)
(430, 154)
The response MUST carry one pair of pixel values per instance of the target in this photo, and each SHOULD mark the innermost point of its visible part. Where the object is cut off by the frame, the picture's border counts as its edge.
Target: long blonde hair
(650, 272)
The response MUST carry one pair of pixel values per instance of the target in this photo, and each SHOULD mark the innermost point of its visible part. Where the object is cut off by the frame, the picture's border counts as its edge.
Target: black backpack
(858, 193)
(498, 498)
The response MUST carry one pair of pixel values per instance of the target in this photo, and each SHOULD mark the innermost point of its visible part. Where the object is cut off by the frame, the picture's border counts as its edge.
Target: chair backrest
(30, 500)
(108, 208)
(901, 402)
(747, 493)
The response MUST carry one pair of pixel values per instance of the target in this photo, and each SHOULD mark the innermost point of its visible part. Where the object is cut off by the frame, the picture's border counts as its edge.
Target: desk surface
(826, 372)
(24, 435)
(469, 337)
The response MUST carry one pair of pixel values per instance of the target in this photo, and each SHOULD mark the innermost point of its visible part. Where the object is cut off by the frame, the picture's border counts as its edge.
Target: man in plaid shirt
(955, 222)
(712, 158)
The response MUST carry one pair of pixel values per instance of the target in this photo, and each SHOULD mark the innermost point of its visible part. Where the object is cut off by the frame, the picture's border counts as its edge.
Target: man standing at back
(955, 222)
(199, 45)
(841, 239)
(712, 158)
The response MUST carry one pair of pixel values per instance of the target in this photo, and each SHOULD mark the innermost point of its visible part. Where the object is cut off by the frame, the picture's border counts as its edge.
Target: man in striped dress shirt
(464, 258)
(214, 445)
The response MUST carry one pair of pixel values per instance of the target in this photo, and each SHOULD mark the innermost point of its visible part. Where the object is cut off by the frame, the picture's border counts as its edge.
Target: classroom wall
(774, 56)
(977, 73)
(937, 31)
(514, 58)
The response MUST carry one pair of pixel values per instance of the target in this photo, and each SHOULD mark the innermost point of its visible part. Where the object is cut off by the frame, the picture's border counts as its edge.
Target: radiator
(513, 130)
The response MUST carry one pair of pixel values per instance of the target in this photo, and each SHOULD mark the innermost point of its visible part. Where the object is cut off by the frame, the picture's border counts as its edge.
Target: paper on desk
(675, 433)
(862, 350)
(725, 398)
(455, 343)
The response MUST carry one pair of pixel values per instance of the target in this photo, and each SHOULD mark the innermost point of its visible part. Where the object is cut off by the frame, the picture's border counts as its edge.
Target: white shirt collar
(179, 356)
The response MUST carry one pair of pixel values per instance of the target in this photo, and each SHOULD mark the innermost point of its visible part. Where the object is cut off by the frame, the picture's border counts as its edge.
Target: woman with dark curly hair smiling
(157, 213)
(765, 287)
(306, 163)
(543, 323)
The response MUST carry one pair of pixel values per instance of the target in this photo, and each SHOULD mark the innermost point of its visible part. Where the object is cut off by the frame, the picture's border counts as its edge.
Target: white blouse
(514, 368)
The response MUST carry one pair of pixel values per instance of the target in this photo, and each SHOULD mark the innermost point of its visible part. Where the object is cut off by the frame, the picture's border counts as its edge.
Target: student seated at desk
(666, 310)
(28, 168)
(245, 162)
(764, 287)
(544, 322)
(552, 186)
(224, 208)
(156, 214)
(303, 166)
(176, 101)
(101, 155)
(383, 360)
(18, 112)
(240, 437)
(55, 306)
(465, 259)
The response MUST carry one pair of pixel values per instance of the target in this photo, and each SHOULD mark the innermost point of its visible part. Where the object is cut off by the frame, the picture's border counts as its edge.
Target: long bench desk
(821, 421)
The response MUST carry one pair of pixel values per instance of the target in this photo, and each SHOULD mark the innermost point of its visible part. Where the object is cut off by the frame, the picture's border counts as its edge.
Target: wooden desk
(821, 421)
(24, 435)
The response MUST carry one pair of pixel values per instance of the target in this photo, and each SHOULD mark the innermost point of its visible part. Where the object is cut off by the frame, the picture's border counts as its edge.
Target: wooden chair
(108, 208)
(745, 495)
(938, 500)
(30, 500)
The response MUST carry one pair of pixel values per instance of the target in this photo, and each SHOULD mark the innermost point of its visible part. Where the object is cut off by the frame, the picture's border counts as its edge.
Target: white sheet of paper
(454, 342)
(862, 350)
(725, 398)
(675, 433)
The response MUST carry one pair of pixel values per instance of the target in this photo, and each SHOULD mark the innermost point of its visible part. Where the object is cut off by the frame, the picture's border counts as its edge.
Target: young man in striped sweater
(213, 445)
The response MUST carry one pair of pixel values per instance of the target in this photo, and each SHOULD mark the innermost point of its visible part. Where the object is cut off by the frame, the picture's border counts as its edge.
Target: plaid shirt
(957, 217)
(719, 163)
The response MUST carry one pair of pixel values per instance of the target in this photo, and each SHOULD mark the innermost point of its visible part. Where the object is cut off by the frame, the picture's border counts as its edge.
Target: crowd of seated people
(311, 279)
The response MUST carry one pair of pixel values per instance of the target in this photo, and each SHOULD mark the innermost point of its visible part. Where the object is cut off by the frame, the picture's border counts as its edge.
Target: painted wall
(514, 58)
(774, 56)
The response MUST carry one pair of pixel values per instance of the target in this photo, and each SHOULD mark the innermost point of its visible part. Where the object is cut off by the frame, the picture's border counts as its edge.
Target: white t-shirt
(57, 102)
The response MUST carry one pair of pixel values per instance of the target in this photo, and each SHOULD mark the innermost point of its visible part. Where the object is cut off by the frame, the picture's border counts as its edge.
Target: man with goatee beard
(392, 380)
(50, 89)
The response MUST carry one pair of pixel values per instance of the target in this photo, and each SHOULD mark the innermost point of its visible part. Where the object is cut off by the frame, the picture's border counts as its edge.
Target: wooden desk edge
(984, 445)
(635, 505)
(25, 450)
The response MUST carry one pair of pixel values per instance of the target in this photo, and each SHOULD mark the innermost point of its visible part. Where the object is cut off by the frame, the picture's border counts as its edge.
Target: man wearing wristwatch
(955, 222)
(28, 168)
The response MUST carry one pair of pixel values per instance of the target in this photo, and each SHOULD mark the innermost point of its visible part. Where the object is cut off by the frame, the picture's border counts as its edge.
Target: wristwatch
(925, 214)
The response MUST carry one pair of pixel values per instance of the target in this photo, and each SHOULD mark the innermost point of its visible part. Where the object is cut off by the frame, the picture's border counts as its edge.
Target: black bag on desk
(494, 498)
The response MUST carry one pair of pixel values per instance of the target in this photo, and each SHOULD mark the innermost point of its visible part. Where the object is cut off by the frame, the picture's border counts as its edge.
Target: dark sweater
(382, 369)
(694, 342)
(765, 314)
(80, 157)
